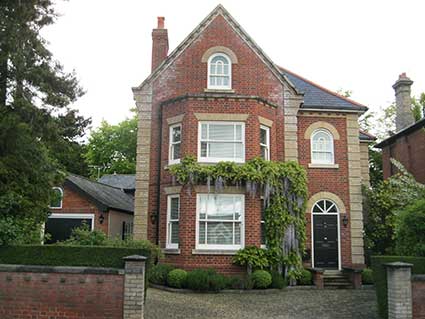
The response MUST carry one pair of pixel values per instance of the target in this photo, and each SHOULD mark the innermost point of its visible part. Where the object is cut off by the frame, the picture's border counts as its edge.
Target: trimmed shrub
(234, 282)
(278, 282)
(177, 278)
(306, 278)
(55, 255)
(380, 276)
(410, 230)
(367, 276)
(158, 274)
(216, 282)
(262, 279)
(198, 280)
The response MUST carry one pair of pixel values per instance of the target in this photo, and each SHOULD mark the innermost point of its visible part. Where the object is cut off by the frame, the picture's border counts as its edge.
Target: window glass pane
(219, 58)
(264, 152)
(219, 81)
(225, 81)
(222, 208)
(220, 233)
(174, 233)
(204, 131)
(221, 150)
(175, 151)
(176, 134)
(219, 67)
(238, 132)
(263, 136)
(237, 233)
(332, 208)
(203, 149)
(174, 208)
(56, 200)
(212, 80)
(212, 68)
(239, 150)
(226, 69)
(202, 232)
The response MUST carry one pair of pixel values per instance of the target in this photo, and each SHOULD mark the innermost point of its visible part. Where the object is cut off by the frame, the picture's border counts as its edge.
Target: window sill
(219, 91)
(213, 252)
(334, 166)
(171, 251)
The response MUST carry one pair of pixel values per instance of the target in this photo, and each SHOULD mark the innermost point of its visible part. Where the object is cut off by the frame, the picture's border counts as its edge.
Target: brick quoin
(180, 90)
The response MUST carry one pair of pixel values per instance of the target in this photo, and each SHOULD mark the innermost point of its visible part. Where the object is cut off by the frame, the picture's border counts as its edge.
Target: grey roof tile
(124, 181)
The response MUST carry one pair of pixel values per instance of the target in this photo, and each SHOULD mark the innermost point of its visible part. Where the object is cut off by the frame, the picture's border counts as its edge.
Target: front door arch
(325, 235)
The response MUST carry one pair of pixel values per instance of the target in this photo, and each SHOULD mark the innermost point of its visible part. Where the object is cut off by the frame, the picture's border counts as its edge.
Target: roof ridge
(321, 87)
(87, 179)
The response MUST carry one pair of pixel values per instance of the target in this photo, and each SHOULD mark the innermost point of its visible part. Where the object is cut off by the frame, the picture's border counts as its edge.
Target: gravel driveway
(289, 303)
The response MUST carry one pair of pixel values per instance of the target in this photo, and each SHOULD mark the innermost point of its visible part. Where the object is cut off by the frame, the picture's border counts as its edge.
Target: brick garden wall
(418, 296)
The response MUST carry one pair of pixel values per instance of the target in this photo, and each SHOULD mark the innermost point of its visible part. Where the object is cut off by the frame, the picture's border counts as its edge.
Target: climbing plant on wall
(283, 186)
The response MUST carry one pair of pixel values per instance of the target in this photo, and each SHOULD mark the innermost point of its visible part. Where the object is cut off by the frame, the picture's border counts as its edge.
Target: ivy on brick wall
(282, 185)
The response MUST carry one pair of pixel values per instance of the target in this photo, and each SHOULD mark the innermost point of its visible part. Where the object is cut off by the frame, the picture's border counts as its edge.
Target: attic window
(219, 72)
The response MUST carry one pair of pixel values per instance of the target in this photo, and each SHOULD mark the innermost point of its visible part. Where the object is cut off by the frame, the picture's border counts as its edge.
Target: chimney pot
(160, 23)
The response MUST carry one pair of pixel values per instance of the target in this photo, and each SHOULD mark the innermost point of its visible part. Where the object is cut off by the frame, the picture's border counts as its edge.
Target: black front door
(325, 232)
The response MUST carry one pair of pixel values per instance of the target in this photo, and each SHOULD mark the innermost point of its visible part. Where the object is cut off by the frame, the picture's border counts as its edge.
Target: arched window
(325, 206)
(219, 72)
(57, 197)
(322, 147)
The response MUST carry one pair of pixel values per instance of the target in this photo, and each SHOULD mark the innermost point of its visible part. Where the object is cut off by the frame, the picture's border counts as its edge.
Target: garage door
(60, 226)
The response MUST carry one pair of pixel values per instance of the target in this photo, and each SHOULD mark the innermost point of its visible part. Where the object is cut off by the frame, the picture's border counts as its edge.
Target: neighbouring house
(126, 182)
(103, 206)
(219, 97)
(407, 145)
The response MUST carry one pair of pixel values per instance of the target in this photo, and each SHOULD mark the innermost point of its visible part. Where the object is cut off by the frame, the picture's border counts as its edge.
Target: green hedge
(56, 255)
(380, 276)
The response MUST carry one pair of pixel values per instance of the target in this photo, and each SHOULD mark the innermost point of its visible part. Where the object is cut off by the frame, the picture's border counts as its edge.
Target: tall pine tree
(37, 128)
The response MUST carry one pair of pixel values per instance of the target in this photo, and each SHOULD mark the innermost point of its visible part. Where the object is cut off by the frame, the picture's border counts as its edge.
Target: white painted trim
(170, 143)
(169, 245)
(206, 247)
(74, 216)
(219, 87)
(338, 226)
(61, 190)
(327, 132)
(216, 159)
(267, 129)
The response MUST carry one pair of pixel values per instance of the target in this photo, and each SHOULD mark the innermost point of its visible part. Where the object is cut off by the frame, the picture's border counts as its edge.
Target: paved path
(291, 304)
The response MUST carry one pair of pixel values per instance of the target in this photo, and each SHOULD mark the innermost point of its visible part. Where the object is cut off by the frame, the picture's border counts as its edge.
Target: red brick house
(219, 97)
(407, 145)
(106, 205)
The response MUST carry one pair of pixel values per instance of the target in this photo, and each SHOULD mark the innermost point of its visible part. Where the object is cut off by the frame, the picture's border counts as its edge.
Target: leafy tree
(35, 122)
(418, 107)
(112, 148)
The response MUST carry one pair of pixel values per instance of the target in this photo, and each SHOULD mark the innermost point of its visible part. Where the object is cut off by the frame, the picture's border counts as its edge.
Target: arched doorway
(325, 235)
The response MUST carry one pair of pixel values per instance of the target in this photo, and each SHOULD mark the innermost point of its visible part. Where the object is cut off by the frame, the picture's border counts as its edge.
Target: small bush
(158, 274)
(262, 279)
(248, 283)
(234, 282)
(278, 282)
(216, 282)
(198, 280)
(367, 276)
(410, 230)
(306, 278)
(177, 278)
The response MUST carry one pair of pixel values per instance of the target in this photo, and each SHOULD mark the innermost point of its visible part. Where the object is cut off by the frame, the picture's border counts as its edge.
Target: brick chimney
(159, 44)
(403, 100)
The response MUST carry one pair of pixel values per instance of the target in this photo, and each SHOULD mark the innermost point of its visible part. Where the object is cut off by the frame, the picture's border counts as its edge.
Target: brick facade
(179, 91)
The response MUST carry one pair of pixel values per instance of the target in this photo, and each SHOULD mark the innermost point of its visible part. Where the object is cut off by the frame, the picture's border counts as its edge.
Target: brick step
(337, 285)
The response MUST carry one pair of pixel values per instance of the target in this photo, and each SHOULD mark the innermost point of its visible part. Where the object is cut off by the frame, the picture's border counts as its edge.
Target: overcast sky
(355, 45)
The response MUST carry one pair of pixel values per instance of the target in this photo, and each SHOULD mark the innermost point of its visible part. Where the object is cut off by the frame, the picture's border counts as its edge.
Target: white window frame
(262, 222)
(267, 146)
(218, 159)
(74, 216)
(60, 206)
(171, 144)
(219, 87)
(220, 247)
(168, 244)
(315, 161)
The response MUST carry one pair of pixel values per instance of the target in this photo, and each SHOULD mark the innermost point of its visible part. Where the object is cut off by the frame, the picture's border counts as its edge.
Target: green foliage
(158, 273)
(382, 203)
(380, 276)
(205, 280)
(83, 236)
(112, 148)
(252, 257)
(284, 189)
(56, 255)
(19, 231)
(216, 282)
(367, 276)
(306, 278)
(234, 282)
(177, 278)
(278, 282)
(262, 279)
(418, 107)
(410, 230)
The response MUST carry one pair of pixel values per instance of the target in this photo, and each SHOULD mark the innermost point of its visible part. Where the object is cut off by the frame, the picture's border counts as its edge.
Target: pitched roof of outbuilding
(104, 196)
(123, 181)
(414, 127)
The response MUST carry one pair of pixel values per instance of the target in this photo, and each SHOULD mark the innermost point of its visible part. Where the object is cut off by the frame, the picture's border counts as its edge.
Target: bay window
(221, 141)
(220, 221)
